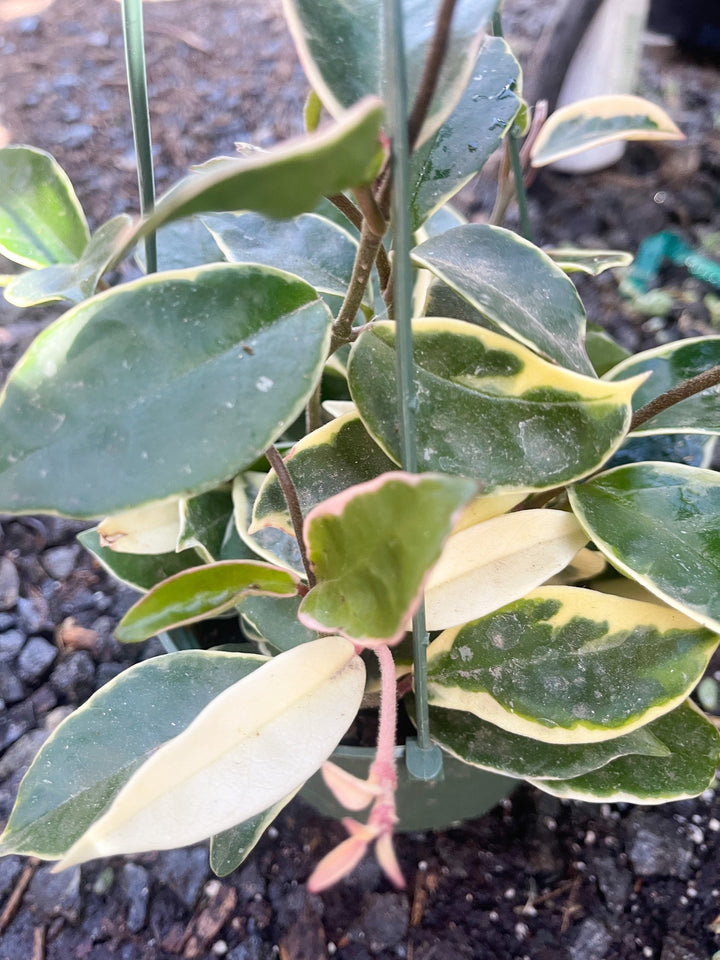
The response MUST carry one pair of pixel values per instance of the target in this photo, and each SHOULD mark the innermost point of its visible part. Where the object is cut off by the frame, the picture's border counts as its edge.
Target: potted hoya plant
(382, 439)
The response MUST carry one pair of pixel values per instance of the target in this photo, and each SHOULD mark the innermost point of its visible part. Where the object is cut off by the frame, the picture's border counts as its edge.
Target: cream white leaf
(153, 528)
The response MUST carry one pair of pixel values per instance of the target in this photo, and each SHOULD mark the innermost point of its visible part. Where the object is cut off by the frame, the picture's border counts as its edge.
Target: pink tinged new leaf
(339, 862)
(372, 547)
(385, 853)
(351, 791)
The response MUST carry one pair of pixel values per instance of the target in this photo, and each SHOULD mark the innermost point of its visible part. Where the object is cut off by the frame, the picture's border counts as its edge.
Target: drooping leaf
(282, 182)
(490, 564)
(489, 408)
(41, 220)
(93, 753)
(153, 528)
(342, 51)
(137, 570)
(592, 262)
(486, 745)
(569, 665)
(273, 544)
(274, 620)
(204, 522)
(249, 748)
(199, 382)
(310, 246)
(199, 593)
(69, 281)
(232, 847)
(515, 285)
(670, 365)
(659, 523)
(371, 547)
(694, 746)
(597, 120)
(322, 464)
(473, 131)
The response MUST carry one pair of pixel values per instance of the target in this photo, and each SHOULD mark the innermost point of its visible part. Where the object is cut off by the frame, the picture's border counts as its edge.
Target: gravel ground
(535, 878)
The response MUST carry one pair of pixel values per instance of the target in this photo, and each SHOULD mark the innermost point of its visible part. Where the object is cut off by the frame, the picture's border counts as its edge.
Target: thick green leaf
(274, 620)
(515, 285)
(93, 753)
(69, 281)
(487, 565)
(322, 464)
(597, 120)
(486, 745)
(254, 744)
(41, 220)
(371, 547)
(282, 182)
(488, 408)
(659, 523)
(162, 387)
(472, 132)
(342, 50)
(232, 847)
(694, 747)
(199, 593)
(592, 262)
(603, 350)
(204, 522)
(671, 364)
(314, 248)
(273, 544)
(568, 665)
(182, 244)
(141, 571)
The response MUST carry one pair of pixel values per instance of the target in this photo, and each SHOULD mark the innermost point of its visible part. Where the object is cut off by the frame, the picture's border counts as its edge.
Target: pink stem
(384, 764)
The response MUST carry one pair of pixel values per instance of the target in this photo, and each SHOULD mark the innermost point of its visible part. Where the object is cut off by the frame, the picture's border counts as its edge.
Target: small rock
(137, 895)
(614, 881)
(75, 135)
(21, 754)
(11, 689)
(7, 621)
(10, 870)
(676, 947)
(106, 672)
(385, 920)
(184, 872)
(56, 894)
(43, 700)
(35, 660)
(56, 717)
(59, 562)
(74, 677)
(11, 643)
(305, 937)
(15, 722)
(592, 941)
(657, 848)
(253, 948)
(251, 883)
(9, 584)
(32, 614)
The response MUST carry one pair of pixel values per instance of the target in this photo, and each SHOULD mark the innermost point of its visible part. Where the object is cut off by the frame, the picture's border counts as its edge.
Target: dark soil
(535, 878)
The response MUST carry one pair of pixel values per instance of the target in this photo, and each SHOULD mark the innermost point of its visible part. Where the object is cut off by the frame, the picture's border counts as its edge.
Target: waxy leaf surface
(182, 244)
(515, 285)
(603, 350)
(592, 262)
(201, 371)
(343, 50)
(325, 462)
(204, 523)
(41, 220)
(670, 365)
(282, 182)
(659, 523)
(93, 753)
(255, 743)
(486, 745)
(473, 131)
(274, 620)
(489, 564)
(568, 665)
(141, 571)
(201, 592)
(693, 744)
(371, 548)
(272, 543)
(232, 847)
(597, 120)
(489, 408)
(69, 281)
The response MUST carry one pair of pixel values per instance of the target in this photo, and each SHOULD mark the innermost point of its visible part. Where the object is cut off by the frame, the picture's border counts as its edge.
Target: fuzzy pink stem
(384, 763)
